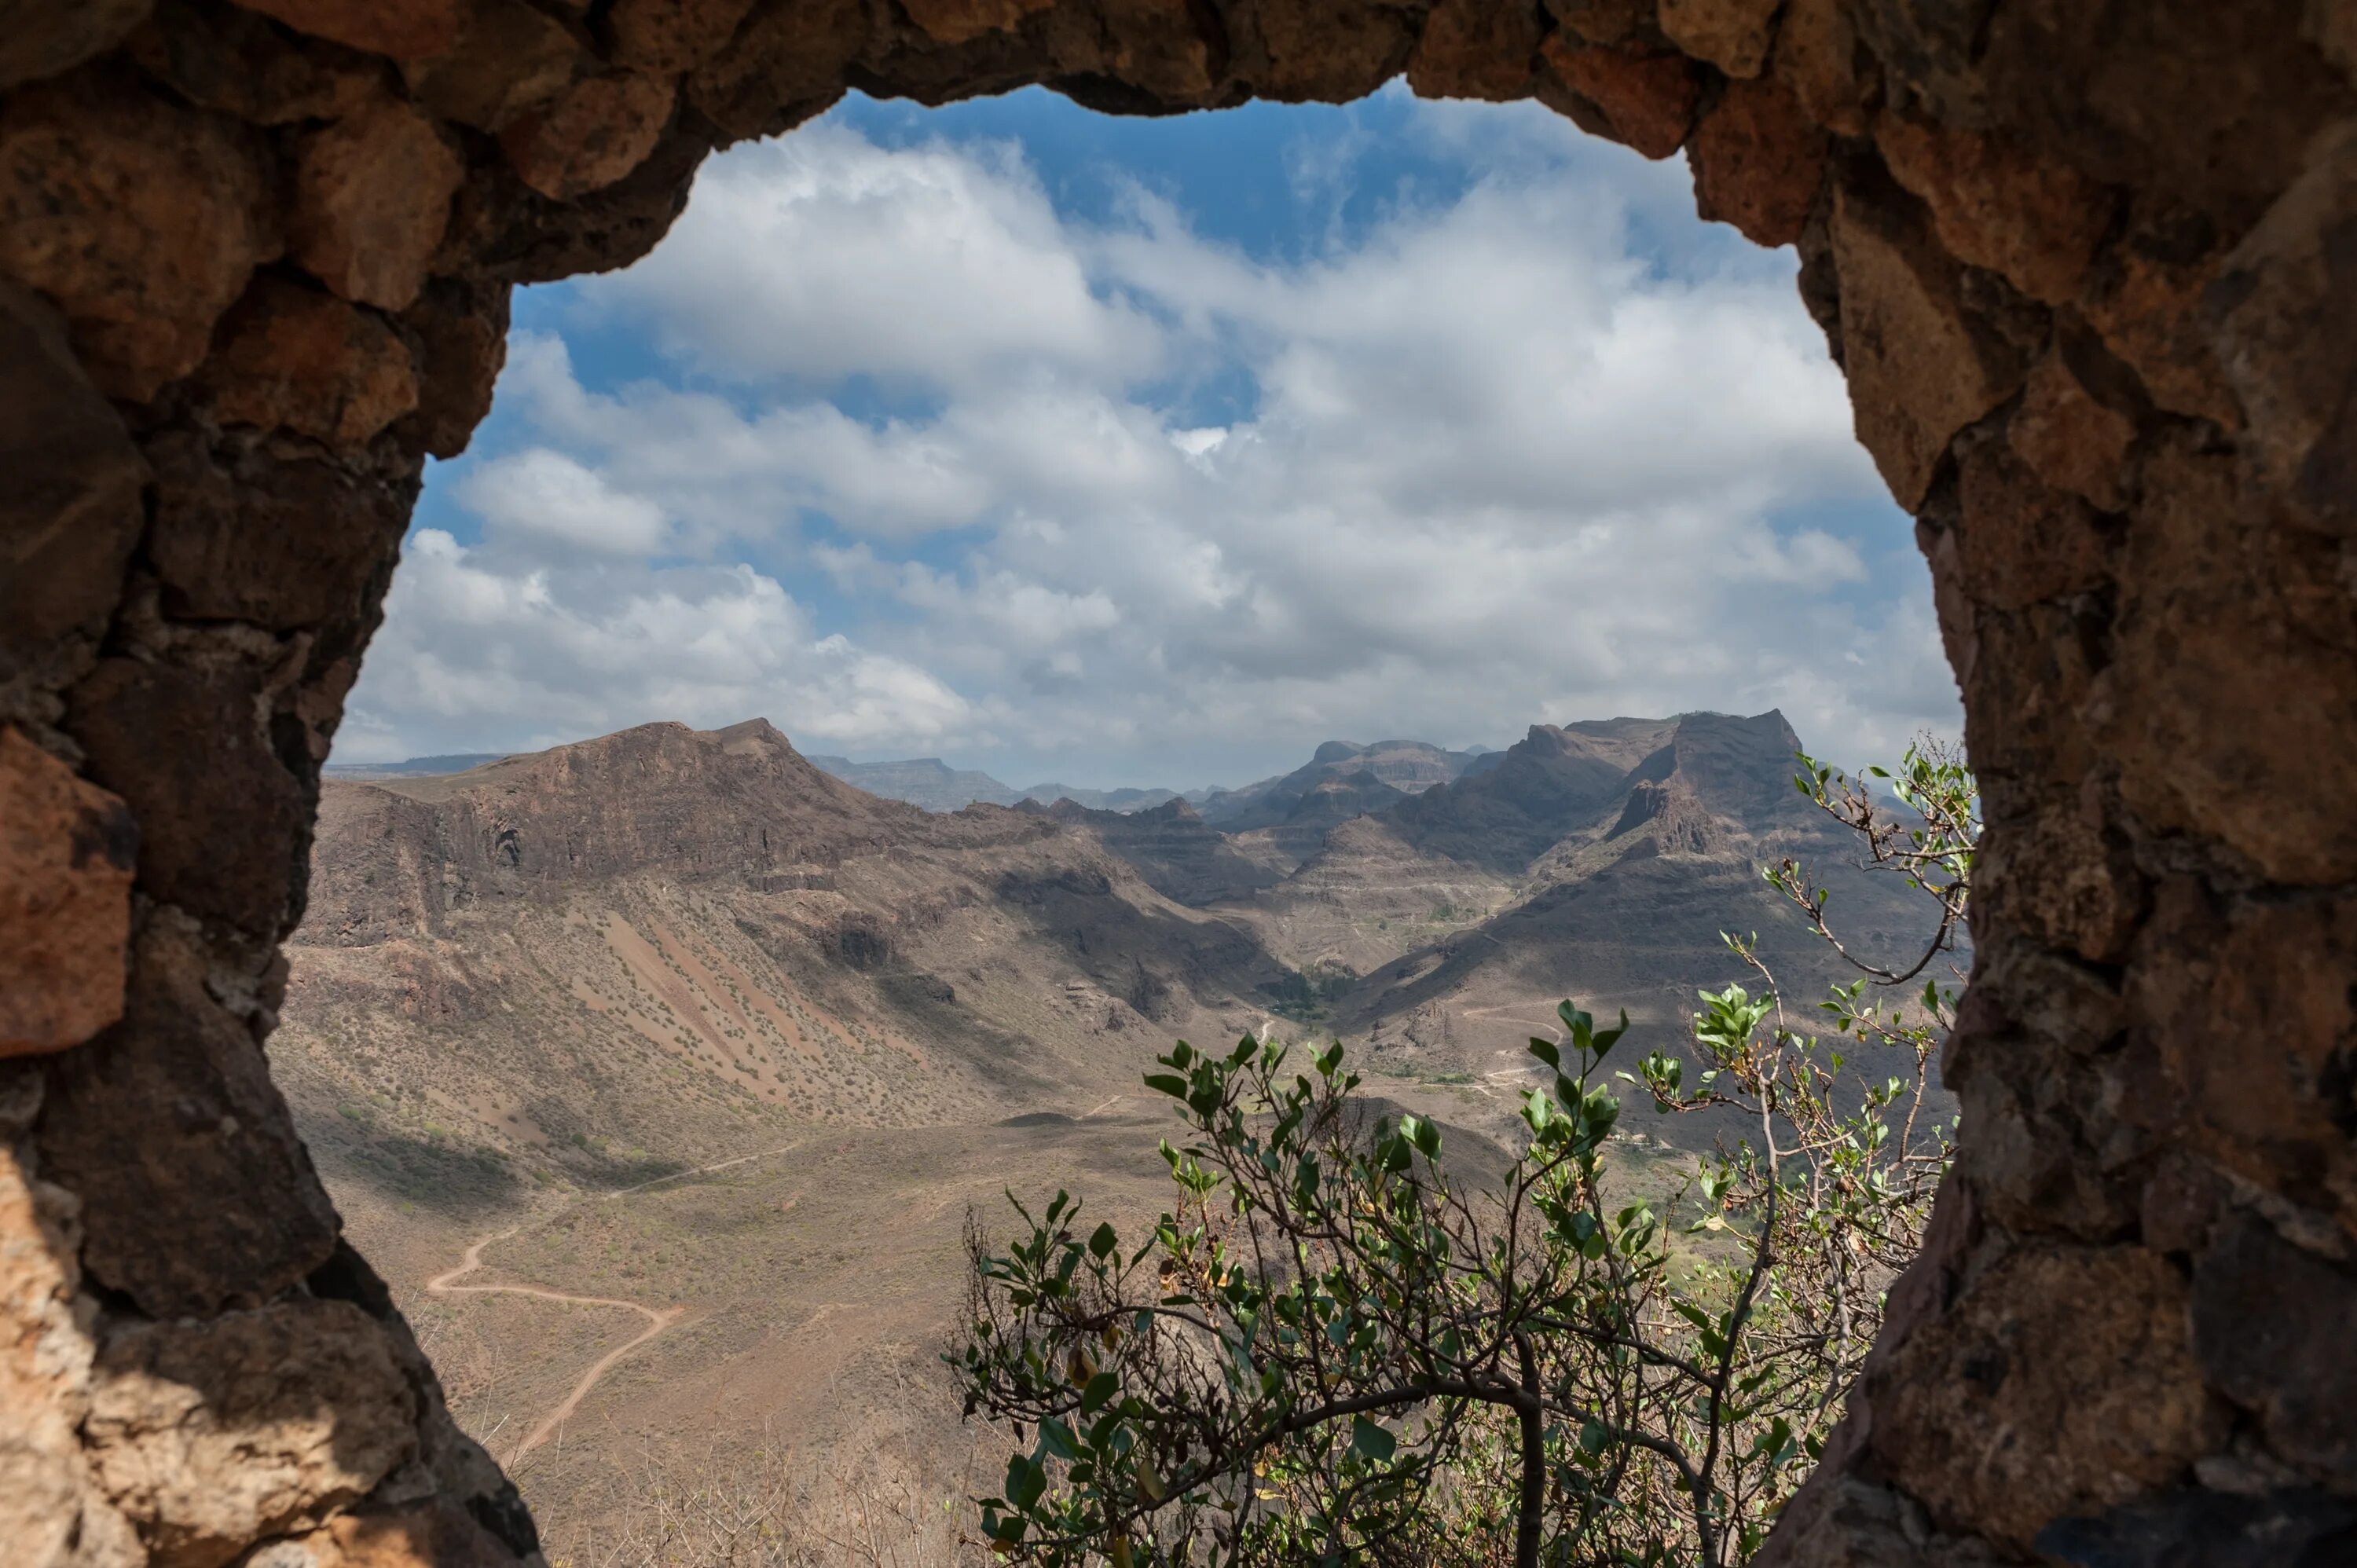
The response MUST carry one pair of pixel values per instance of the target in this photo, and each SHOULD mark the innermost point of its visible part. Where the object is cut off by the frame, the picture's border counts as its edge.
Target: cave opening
(2082, 274)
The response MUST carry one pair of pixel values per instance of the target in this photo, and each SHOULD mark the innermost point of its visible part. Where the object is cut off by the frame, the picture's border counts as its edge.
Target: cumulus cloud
(481, 651)
(1495, 459)
(821, 255)
(547, 494)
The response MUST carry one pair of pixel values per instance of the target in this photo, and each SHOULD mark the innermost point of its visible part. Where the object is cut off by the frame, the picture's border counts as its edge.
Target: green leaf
(1101, 1388)
(1370, 1441)
(1105, 1240)
(1546, 1052)
(1027, 1482)
(1168, 1083)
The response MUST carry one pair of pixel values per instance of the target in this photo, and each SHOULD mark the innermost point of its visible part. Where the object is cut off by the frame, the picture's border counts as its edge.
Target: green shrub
(1330, 1351)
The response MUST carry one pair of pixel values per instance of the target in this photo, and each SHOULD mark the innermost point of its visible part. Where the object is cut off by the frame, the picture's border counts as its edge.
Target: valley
(658, 1073)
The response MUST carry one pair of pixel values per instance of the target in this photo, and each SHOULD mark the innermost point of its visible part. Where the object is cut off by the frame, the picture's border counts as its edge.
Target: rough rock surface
(2086, 266)
(66, 854)
(210, 1436)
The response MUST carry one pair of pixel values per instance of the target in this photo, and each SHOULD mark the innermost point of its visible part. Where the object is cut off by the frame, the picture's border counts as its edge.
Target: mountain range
(681, 1028)
(934, 785)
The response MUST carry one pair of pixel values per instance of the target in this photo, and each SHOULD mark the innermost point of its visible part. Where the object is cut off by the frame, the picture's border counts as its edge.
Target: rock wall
(2088, 265)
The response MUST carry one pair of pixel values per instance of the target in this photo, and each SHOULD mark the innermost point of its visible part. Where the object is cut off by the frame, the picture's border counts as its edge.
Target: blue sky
(1157, 451)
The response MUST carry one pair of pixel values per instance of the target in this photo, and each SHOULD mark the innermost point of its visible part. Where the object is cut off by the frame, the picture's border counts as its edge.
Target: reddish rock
(511, 58)
(403, 29)
(784, 67)
(1604, 21)
(2144, 301)
(2072, 442)
(1165, 50)
(2273, 1322)
(1323, 51)
(432, 1534)
(67, 850)
(1476, 49)
(1732, 35)
(2331, 27)
(1817, 56)
(210, 1436)
(596, 133)
(70, 509)
(2264, 1100)
(2222, 708)
(2283, 326)
(1643, 98)
(139, 219)
(191, 1075)
(1758, 162)
(215, 819)
(241, 63)
(50, 1514)
(40, 41)
(963, 21)
(1919, 370)
(372, 199)
(2061, 1380)
(667, 38)
(2208, 105)
(292, 359)
(2061, 875)
(462, 341)
(271, 538)
(2019, 542)
(1997, 204)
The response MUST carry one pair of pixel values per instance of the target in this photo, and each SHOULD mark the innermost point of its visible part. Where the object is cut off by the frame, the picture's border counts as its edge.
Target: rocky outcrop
(1548, 784)
(1406, 766)
(2086, 267)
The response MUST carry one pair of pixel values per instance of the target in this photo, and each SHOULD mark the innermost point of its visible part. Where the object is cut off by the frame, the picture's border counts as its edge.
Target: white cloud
(547, 494)
(821, 256)
(481, 652)
(1498, 460)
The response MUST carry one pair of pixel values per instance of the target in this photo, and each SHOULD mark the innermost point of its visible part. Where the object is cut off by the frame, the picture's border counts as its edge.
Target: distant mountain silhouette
(1408, 767)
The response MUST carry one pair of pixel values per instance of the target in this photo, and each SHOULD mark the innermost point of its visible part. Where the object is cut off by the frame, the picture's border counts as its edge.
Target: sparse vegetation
(1331, 1350)
(1307, 996)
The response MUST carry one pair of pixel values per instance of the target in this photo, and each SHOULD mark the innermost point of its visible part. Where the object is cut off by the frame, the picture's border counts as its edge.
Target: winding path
(657, 1318)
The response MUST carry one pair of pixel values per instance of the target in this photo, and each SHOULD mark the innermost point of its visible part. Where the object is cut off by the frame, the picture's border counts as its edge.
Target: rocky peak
(736, 802)
(1738, 768)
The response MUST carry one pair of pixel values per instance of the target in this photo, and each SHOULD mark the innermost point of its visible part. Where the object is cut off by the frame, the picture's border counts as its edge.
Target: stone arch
(2088, 267)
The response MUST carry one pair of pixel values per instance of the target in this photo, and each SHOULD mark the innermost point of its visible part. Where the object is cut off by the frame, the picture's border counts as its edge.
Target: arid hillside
(659, 1072)
(523, 988)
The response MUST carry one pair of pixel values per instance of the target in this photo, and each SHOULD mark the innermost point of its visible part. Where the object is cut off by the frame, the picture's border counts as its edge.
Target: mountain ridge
(654, 962)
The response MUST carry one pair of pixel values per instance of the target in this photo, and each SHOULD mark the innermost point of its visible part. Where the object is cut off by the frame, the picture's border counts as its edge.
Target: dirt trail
(657, 1318)
(1552, 1026)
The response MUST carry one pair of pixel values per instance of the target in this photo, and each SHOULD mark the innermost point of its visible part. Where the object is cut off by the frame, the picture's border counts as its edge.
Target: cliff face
(1554, 781)
(2085, 267)
(737, 803)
